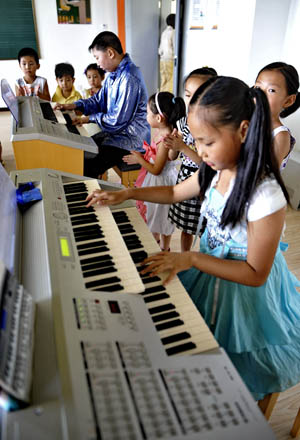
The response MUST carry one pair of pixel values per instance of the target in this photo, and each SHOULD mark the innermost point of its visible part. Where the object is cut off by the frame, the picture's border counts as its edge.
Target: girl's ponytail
(233, 102)
(178, 111)
(292, 108)
(168, 106)
(257, 159)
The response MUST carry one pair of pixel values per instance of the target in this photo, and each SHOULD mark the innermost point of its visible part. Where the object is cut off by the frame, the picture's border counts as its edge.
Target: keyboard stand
(37, 153)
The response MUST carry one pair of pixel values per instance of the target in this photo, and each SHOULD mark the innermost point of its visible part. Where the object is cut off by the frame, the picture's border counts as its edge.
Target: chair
(295, 431)
(127, 173)
(267, 404)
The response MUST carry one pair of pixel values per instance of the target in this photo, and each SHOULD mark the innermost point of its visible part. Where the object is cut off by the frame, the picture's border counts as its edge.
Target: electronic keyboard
(111, 356)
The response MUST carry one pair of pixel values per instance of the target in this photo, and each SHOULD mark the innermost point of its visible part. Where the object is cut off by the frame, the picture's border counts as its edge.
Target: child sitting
(95, 75)
(65, 91)
(31, 84)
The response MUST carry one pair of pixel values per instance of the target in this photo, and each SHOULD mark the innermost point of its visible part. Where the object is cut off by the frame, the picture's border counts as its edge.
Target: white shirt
(266, 199)
(32, 89)
(167, 44)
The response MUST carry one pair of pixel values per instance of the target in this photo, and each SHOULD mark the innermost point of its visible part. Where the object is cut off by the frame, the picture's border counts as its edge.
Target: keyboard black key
(76, 197)
(83, 219)
(98, 259)
(74, 188)
(88, 237)
(91, 245)
(82, 229)
(132, 246)
(157, 297)
(154, 289)
(165, 316)
(98, 265)
(169, 324)
(138, 256)
(94, 273)
(97, 283)
(180, 348)
(162, 308)
(150, 280)
(112, 288)
(95, 250)
(175, 338)
(79, 210)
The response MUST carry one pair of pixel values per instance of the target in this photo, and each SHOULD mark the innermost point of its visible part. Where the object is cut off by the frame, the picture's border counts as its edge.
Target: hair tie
(157, 105)
(174, 100)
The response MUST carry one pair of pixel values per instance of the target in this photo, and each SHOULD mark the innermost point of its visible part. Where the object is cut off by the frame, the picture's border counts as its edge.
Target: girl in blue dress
(239, 280)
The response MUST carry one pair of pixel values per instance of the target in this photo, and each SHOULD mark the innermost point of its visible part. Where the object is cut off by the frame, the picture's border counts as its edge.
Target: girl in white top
(280, 82)
(163, 111)
(239, 280)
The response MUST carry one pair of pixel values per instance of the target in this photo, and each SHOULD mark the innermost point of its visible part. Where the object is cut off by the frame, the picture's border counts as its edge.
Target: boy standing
(65, 91)
(31, 84)
(119, 108)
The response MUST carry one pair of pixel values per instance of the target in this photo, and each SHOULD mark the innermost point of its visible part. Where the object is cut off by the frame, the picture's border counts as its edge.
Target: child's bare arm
(19, 91)
(282, 145)
(263, 238)
(45, 94)
(153, 168)
(174, 143)
(158, 194)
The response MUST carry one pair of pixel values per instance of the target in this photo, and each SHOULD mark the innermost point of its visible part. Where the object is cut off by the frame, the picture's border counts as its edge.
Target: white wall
(64, 42)
(291, 55)
(227, 48)
(250, 35)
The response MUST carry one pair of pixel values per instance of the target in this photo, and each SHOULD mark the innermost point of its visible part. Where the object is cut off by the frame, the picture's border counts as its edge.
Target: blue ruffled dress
(259, 327)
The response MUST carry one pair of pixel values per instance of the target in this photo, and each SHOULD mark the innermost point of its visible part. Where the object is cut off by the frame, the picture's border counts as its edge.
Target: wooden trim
(121, 22)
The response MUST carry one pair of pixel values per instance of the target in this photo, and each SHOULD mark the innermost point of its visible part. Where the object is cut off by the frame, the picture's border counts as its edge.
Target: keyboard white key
(178, 322)
(94, 245)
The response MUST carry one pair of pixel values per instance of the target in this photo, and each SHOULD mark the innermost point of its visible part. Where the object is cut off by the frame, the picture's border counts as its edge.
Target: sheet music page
(8, 206)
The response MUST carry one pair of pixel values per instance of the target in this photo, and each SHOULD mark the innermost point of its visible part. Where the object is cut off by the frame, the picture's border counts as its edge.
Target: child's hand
(22, 91)
(133, 157)
(62, 107)
(80, 121)
(173, 262)
(173, 141)
(105, 198)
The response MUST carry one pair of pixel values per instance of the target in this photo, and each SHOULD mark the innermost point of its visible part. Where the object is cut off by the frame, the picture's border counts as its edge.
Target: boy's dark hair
(232, 102)
(106, 39)
(94, 66)
(202, 71)
(172, 108)
(28, 52)
(63, 69)
(170, 20)
(292, 83)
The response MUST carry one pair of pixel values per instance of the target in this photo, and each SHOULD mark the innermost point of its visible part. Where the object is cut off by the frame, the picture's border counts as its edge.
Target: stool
(128, 173)
(296, 426)
(267, 404)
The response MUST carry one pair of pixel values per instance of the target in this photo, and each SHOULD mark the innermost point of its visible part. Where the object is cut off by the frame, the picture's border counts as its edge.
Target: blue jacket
(120, 107)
